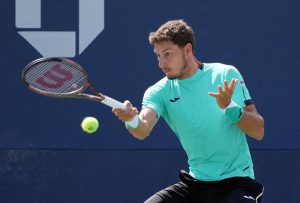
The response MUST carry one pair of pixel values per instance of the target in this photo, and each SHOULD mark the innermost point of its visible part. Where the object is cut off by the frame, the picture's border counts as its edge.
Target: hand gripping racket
(63, 78)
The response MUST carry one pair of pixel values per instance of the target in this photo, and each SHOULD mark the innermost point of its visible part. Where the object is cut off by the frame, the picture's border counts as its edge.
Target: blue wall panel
(259, 39)
(123, 176)
(45, 156)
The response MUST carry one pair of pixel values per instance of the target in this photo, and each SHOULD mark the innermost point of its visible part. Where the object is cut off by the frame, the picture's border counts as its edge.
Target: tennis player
(209, 108)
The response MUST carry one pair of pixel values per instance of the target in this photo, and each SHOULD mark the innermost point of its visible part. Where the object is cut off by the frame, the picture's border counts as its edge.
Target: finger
(232, 84)
(135, 110)
(213, 94)
(128, 104)
(117, 110)
(123, 117)
(126, 117)
(126, 114)
(225, 85)
(220, 90)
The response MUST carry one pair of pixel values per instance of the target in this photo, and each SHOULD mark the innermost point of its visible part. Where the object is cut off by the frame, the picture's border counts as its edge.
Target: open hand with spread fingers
(223, 96)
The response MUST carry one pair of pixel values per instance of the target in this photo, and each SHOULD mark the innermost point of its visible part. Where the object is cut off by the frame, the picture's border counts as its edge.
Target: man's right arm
(148, 119)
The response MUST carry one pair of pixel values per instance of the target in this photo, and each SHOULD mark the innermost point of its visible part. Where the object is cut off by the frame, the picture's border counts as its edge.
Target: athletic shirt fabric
(216, 148)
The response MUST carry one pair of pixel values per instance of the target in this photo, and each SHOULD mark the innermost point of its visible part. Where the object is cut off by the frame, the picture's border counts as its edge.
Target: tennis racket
(63, 78)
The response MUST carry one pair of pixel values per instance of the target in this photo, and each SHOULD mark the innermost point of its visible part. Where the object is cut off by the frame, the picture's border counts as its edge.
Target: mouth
(166, 70)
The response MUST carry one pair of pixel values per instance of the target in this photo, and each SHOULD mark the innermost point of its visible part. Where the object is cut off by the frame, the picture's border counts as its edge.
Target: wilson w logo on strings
(55, 77)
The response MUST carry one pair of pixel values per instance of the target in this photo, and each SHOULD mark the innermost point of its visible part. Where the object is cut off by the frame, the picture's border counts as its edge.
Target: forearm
(247, 118)
(252, 124)
(148, 119)
(142, 131)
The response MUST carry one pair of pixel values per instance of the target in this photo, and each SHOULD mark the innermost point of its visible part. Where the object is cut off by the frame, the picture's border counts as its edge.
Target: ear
(188, 48)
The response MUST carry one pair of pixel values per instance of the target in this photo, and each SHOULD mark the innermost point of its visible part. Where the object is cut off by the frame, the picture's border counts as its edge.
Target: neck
(199, 64)
(191, 68)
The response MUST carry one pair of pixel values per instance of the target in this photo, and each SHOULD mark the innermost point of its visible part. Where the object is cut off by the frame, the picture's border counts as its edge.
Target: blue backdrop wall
(260, 38)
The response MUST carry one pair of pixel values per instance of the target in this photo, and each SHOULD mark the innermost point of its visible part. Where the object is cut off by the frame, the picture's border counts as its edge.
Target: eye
(167, 54)
(157, 56)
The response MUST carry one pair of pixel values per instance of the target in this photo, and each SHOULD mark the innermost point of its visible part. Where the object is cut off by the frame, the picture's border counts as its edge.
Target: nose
(162, 64)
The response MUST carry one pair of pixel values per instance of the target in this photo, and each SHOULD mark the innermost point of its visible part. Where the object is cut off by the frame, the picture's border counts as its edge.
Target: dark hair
(177, 31)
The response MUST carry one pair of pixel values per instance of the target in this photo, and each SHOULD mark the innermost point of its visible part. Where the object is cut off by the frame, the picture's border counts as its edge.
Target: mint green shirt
(216, 147)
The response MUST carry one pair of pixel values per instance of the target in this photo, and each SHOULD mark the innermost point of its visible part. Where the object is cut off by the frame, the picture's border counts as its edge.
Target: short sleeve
(153, 99)
(241, 94)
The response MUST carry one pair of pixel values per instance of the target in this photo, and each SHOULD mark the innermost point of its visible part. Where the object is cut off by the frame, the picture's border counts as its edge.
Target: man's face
(171, 59)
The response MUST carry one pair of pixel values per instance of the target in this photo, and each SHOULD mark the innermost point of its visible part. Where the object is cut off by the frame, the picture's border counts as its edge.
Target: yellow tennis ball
(89, 124)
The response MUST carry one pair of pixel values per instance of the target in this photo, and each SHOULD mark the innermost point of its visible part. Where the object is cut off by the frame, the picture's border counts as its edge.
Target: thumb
(213, 94)
(128, 104)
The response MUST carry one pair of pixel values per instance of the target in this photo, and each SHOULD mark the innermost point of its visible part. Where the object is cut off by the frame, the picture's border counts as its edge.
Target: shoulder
(158, 86)
(218, 67)
(221, 69)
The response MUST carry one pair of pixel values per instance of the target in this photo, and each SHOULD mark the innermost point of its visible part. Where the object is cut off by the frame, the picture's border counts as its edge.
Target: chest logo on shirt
(174, 99)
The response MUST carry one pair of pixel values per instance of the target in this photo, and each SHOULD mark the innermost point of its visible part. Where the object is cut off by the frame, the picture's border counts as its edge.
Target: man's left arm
(246, 118)
(252, 123)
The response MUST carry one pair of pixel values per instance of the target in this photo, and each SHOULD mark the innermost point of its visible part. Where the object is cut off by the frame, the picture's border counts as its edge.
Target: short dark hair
(177, 31)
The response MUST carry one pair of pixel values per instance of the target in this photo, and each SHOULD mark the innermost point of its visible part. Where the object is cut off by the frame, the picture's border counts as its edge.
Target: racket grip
(116, 104)
(113, 103)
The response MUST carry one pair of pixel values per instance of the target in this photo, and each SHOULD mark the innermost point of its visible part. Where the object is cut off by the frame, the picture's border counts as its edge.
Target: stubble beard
(182, 70)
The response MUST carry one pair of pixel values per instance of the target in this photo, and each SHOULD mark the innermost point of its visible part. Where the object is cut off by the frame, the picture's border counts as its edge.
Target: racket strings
(65, 80)
(78, 81)
(35, 72)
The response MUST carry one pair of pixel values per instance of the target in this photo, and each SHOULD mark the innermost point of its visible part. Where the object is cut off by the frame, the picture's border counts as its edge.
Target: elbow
(260, 134)
(257, 132)
(140, 136)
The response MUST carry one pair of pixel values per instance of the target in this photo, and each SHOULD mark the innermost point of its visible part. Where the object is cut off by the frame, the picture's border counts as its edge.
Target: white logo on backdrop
(60, 43)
